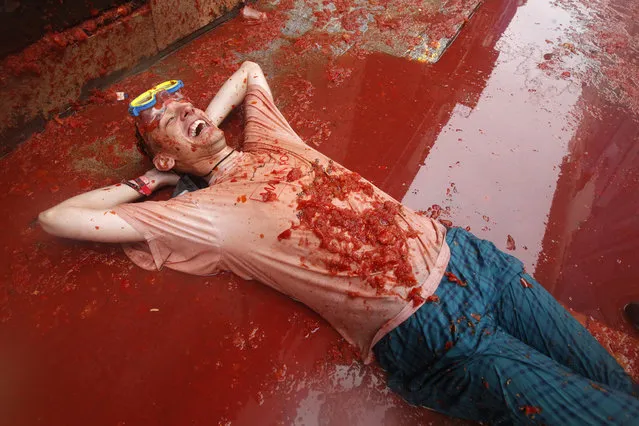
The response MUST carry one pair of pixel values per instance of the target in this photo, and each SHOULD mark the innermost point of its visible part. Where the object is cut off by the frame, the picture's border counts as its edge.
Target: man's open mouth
(196, 128)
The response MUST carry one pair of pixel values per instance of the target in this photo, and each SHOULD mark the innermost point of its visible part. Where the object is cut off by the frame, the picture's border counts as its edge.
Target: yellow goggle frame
(148, 99)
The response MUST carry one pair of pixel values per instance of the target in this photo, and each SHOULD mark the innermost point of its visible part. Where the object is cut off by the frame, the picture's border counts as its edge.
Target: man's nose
(184, 110)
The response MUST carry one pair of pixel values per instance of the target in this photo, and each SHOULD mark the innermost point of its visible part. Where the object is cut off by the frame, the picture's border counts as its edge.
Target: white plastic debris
(253, 14)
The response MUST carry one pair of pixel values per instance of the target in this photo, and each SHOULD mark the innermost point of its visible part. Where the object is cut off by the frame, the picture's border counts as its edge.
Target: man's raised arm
(90, 217)
(233, 91)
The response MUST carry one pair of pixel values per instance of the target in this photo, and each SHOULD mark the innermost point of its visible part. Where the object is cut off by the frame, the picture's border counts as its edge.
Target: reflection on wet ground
(526, 127)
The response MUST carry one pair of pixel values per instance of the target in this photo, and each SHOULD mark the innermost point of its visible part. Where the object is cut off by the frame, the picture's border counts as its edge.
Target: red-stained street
(526, 130)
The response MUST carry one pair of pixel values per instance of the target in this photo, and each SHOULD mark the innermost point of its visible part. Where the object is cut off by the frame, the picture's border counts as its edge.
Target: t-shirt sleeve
(177, 234)
(264, 121)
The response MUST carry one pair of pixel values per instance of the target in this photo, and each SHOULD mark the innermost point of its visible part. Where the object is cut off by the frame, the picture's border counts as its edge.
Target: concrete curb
(58, 71)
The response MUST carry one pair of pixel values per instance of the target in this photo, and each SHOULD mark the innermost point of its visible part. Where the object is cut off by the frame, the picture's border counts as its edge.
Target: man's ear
(163, 162)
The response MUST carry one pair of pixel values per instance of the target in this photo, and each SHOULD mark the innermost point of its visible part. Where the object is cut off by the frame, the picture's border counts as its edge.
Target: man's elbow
(249, 64)
(252, 66)
(48, 220)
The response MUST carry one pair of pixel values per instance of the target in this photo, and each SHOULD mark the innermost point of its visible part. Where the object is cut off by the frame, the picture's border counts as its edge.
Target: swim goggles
(148, 99)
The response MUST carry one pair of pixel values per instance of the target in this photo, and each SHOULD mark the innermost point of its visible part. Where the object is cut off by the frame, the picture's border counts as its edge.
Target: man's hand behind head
(162, 179)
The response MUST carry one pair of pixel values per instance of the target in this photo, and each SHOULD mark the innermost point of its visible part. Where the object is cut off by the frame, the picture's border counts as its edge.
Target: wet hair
(142, 144)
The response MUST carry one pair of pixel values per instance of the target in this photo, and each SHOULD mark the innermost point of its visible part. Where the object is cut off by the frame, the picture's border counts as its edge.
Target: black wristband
(133, 185)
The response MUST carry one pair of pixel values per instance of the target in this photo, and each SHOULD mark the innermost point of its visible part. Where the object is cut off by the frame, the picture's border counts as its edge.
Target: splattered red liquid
(530, 410)
(370, 245)
(454, 279)
(285, 235)
(524, 283)
(77, 326)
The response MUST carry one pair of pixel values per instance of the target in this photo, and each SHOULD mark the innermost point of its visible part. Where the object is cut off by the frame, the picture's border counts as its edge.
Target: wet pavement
(527, 126)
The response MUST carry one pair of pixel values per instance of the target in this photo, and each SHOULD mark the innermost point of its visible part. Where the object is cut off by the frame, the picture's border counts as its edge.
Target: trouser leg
(528, 312)
(509, 382)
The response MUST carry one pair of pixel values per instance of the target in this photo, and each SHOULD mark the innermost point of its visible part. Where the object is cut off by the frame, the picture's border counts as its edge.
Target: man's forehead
(158, 111)
(172, 104)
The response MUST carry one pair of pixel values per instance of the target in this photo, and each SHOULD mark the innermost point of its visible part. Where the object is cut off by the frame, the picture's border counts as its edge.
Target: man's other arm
(233, 91)
(90, 217)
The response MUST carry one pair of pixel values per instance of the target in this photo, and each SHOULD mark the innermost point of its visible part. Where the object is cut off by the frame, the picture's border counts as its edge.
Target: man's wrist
(142, 184)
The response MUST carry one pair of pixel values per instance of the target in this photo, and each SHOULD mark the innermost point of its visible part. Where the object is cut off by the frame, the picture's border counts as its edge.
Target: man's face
(184, 134)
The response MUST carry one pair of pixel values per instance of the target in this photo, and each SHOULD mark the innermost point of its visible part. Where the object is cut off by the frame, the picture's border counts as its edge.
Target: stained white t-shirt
(284, 214)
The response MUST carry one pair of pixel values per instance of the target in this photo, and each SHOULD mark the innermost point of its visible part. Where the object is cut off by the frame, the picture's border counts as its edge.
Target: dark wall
(23, 22)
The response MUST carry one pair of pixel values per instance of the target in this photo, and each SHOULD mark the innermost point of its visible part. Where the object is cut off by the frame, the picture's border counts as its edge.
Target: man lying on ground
(458, 325)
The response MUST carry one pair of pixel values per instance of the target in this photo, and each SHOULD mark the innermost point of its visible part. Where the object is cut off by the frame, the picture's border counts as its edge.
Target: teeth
(193, 129)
